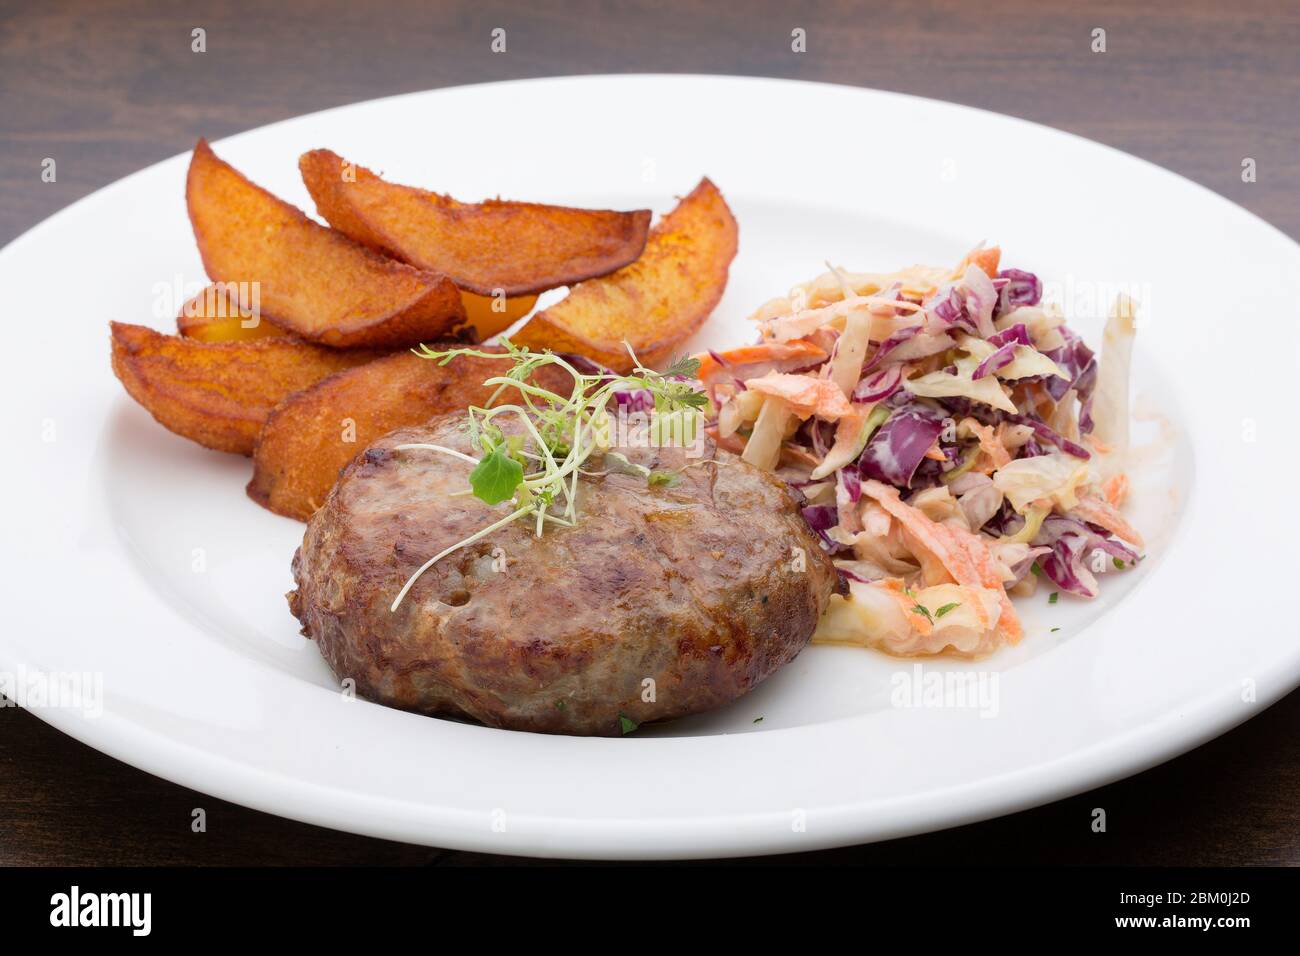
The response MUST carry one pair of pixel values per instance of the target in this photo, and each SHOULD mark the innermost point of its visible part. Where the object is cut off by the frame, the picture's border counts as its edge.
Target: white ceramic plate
(135, 555)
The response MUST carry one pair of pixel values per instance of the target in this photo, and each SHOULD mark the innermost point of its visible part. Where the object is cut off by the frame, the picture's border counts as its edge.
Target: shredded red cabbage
(894, 341)
(897, 448)
(947, 309)
(821, 518)
(1073, 543)
(880, 385)
(848, 479)
(851, 576)
(1022, 288)
(635, 400)
(1016, 334)
(1048, 434)
(1076, 360)
(1001, 357)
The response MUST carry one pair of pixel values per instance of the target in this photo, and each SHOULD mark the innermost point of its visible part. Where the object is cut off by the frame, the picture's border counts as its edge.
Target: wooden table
(107, 87)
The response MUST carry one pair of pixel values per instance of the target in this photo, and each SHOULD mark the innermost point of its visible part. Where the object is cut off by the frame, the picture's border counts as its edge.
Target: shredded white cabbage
(1110, 403)
(1056, 477)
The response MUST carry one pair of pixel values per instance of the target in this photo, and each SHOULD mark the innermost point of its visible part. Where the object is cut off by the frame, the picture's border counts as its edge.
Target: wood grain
(105, 88)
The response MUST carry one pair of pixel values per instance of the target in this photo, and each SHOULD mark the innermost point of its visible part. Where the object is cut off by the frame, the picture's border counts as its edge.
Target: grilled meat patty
(663, 601)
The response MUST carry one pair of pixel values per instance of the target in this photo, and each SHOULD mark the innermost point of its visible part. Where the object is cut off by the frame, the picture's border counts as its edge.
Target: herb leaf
(496, 476)
(946, 608)
(665, 478)
(1053, 597)
(684, 367)
(626, 724)
(920, 608)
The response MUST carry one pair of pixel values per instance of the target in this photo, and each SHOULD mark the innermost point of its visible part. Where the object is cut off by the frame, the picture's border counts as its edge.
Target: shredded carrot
(986, 259)
(897, 590)
(997, 453)
(797, 350)
(1041, 398)
(805, 394)
(1100, 512)
(1116, 489)
(965, 555)
(1099, 446)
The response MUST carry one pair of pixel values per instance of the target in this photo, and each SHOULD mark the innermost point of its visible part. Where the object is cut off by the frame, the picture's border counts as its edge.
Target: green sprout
(538, 471)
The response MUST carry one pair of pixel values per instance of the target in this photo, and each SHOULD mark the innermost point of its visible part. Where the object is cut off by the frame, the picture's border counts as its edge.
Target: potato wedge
(517, 248)
(654, 303)
(487, 315)
(312, 436)
(215, 315)
(310, 280)
(218, 395)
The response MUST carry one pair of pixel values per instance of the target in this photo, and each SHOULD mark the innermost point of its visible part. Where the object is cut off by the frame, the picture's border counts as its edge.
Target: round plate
(134, 556)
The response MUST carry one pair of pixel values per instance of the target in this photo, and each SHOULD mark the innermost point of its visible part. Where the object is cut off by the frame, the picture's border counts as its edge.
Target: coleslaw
(953, 438)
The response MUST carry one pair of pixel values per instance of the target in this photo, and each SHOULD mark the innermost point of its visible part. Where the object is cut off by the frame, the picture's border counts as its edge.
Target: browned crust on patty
(703, 589)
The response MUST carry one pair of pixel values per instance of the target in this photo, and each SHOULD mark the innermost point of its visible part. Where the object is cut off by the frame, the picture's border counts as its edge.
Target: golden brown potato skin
(653, 304)
(214, 315)
(697, 587)
(517, 248)
(313, 281)
(218, 394)
(311, 436)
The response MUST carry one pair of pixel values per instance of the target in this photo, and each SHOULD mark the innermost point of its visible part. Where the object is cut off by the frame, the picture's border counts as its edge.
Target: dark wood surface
(107, 87)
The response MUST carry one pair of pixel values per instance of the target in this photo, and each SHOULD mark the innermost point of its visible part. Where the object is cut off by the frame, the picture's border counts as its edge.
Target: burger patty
(663, 601)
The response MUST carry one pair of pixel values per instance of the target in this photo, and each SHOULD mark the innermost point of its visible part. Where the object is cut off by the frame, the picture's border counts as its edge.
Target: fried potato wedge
(215, 315)
(517, 248)
(488, 315)
(312, 281)
(654, 303)
(312, 436)
(218, 395)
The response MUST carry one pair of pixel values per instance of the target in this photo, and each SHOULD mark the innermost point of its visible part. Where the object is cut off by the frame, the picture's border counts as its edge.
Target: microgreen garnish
(1055, 629)
(538, 471)
(496, 476)
(758, 720)
(616, 463)
(684, 367)
(665, 479)
(1053, 597)
(919, 608)
(627, 724)
(1119, 564)
(946, 608)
